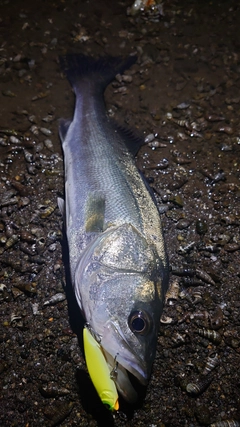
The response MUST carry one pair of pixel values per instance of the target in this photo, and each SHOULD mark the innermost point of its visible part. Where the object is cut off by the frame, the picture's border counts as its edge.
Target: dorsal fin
(132, 140)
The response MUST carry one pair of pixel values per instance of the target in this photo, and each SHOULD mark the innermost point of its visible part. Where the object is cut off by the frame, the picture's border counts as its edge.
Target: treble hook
(113, 373)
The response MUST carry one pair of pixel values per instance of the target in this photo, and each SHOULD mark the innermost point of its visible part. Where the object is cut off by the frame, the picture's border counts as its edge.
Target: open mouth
(123, 378)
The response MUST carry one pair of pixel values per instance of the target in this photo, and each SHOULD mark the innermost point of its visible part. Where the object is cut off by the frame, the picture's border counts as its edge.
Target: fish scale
(106, 177)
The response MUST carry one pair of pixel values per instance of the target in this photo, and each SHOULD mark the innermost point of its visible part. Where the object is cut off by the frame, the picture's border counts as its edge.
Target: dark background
(185, 91)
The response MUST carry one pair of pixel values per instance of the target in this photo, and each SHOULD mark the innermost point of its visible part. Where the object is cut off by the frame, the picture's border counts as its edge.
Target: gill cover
(99, 371)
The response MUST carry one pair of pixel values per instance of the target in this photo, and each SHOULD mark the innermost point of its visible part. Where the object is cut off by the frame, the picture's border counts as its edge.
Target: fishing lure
(99, 371)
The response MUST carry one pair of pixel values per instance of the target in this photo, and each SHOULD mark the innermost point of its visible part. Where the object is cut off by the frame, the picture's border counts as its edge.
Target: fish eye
(139, 322)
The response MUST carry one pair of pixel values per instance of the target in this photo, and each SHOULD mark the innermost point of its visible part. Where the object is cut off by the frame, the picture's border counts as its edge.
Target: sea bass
(118, 262)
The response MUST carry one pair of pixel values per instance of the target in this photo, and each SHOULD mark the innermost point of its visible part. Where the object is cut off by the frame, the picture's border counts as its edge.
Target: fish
(117, 254)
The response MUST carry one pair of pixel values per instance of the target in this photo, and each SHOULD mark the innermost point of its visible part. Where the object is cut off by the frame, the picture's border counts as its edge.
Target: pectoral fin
(94, 213)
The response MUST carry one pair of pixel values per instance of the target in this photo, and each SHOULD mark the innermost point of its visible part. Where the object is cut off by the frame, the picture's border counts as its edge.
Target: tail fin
(102, 71)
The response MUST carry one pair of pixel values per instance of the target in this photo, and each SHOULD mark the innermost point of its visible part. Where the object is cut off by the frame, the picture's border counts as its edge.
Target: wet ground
(183, 95)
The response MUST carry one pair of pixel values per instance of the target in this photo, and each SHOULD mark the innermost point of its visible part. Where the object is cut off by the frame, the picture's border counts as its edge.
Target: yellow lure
(99, 371)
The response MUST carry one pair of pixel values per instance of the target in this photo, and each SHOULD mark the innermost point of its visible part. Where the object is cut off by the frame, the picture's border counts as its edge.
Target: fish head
(129, 335)
(118, 282)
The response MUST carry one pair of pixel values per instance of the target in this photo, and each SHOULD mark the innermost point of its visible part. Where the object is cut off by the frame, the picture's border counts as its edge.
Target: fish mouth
(123, 377)
(124, 364)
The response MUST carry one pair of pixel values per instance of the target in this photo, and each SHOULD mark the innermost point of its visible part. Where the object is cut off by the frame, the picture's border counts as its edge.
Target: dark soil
(185, 92)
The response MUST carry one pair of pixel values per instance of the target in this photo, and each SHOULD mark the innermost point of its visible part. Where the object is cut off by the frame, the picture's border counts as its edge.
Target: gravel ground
(183, 95)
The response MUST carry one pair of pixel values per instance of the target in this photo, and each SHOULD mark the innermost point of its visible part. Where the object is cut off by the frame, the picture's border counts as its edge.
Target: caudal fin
(101, 71)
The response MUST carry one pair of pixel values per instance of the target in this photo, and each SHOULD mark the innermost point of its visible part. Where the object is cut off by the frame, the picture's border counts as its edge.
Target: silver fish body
(118, 261)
